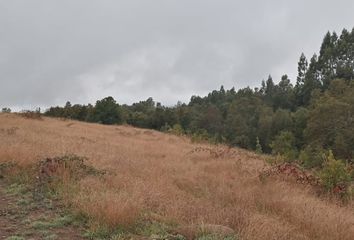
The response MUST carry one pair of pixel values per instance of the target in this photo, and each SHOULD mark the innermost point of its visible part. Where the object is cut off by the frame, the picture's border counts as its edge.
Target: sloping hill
(159, 178)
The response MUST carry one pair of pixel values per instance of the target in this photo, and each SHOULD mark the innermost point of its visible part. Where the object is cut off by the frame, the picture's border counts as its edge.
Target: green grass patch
(15, 238)
(156, 230)
(152, 229)
(216, 237)
(52, 236)
(16, 189)
(100, 232)
(56, 223)
(23, 202)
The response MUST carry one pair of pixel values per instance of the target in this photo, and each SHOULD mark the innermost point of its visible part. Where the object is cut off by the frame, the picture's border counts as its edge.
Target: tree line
(299, 122)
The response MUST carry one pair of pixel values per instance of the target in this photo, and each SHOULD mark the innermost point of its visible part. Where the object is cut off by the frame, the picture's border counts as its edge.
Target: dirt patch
(24, 218)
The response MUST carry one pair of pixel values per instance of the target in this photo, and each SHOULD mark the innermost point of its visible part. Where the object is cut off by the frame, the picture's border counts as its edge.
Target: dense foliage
(299, 121)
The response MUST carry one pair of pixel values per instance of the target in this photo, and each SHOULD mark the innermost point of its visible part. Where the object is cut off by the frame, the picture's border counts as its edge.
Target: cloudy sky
(52, 51)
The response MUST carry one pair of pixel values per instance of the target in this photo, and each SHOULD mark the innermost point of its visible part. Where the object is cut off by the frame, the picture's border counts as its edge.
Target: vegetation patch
(39, 185)
(335, 176)
(73, 165)
(59, 222)
(17, 189)
(299, 122)
(293, 171)
(15, 238)
(5, 167)
(31, 114)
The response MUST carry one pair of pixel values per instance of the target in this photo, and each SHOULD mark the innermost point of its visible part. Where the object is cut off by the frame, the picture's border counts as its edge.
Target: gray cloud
(57, 50)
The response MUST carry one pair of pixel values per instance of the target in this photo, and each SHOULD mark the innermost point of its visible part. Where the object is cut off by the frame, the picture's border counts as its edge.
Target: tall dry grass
(158, 174)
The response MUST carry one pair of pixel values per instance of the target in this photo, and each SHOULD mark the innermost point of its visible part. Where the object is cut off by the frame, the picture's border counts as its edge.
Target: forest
(299, 122)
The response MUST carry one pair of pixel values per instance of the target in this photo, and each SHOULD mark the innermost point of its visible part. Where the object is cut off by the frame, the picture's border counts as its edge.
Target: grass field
(173, 184)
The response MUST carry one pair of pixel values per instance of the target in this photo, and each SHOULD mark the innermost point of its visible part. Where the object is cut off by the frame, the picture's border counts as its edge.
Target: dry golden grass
(167, 176)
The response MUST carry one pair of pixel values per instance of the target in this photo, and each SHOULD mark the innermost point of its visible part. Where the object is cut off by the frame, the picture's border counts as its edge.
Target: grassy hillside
(156, 184)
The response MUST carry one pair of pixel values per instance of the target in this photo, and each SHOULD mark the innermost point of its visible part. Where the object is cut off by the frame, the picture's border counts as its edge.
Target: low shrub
(6, 110)
(312, 156)
(284, 145)
(31, 114)
(176, 130)
(200, 136)
(335, 176)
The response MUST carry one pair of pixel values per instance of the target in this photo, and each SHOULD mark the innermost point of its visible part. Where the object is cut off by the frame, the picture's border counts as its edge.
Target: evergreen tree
(269, 91)
(301, 70)
(107, 111)
(311, 82)
(283, 96)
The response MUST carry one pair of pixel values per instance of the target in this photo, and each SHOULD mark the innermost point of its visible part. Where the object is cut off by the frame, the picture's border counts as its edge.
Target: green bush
(334, 174)
(312, 156)
(177, 130)
(165, 128)
(284, 145)
(31, 114)
(200, 136)
(5, 110)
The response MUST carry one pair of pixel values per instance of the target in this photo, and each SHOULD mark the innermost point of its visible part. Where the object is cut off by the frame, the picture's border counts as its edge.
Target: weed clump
(71, 166)
(5, 167)
(60, 174)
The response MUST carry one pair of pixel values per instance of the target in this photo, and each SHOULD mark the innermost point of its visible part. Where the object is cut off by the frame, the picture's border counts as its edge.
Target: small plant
(259, 149)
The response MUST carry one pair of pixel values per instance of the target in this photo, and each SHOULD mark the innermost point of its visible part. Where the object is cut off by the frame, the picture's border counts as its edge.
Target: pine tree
(311, 82)
(269, 91)
(269, 85)
(301, 70)
(327, 60)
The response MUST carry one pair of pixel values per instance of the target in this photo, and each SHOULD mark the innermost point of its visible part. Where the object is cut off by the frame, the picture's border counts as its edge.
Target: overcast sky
(52, 51)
